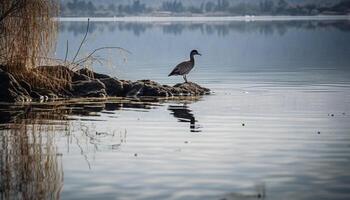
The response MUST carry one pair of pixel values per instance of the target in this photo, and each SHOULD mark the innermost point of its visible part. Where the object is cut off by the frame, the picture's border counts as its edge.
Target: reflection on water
(184, 114)
(60, 111)
(101, 144)
(218, 28)
(30, 166)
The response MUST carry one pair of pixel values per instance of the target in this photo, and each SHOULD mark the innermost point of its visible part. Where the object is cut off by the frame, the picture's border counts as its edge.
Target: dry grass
(27, 38)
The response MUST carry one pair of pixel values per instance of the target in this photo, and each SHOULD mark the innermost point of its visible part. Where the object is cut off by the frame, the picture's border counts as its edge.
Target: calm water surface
(277, 125)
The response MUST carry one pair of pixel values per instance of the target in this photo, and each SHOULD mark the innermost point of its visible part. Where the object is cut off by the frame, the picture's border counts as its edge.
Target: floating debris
(243, 124)
(318, 132)
(135, 154)
(186, 142)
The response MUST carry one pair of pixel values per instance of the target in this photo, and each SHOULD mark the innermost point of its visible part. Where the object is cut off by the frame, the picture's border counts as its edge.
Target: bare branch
(67, 47)
(82, 42)
(99, 49)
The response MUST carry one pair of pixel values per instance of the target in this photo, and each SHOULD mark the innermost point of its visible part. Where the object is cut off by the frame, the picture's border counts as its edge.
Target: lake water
(277, 125)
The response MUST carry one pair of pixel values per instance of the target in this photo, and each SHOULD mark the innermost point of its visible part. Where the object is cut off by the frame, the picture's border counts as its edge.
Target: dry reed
(27, 38)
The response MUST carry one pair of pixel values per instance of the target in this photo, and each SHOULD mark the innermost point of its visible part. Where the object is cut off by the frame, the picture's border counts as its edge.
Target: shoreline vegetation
(85, 83)
(29, 71)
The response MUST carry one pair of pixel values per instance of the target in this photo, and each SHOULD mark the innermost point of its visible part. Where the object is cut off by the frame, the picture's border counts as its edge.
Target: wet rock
(114, 87)
(92, 88)
(92, 74)
(43, 94)
(86, 83)
(152, 88)
(192, 89)
(135, 89)
(148, 88)
(63, 71)
(26, 86)
(11, 90)
(36, 96)
(127, 85)
(80, 77)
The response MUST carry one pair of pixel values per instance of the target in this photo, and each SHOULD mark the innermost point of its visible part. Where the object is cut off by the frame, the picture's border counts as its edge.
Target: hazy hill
(203, 7)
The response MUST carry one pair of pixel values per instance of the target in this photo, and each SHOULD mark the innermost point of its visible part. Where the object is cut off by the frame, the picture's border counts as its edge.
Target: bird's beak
(199, 54)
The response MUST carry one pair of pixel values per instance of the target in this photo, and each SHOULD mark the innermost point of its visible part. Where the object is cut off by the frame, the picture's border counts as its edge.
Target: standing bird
(185, 67)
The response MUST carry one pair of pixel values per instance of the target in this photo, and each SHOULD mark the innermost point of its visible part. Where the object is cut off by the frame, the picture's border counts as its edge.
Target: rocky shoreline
(86, 83)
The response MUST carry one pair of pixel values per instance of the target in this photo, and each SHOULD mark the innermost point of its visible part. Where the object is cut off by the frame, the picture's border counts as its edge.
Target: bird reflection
(184, 114)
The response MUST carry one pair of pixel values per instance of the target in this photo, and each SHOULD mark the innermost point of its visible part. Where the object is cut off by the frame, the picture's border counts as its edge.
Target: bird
(185, 67)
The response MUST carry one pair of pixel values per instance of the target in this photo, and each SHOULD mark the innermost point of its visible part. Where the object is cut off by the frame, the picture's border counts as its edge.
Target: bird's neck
(192, 58)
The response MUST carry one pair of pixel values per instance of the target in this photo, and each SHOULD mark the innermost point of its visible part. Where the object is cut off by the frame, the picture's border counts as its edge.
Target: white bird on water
(185, 67)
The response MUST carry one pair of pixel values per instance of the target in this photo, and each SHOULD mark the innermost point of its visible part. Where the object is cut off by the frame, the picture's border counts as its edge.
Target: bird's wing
(180, 69)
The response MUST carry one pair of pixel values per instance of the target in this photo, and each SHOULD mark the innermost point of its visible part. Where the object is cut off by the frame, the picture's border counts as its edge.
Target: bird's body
(185, 67)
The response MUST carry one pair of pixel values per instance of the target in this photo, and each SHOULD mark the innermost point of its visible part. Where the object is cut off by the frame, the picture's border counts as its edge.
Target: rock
(92, 74)
(92, 88)
(63, 71)
(135, 90)
(151, 88)
(80, 77)
(147, 88)
(127, 85)
(26, 86)
(43, 94)
(11, 90)
(86, 83)
(192, 88)
(114, 87)
(36, 96)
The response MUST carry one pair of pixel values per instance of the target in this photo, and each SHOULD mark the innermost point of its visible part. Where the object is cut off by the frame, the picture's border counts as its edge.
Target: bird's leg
(185, 78)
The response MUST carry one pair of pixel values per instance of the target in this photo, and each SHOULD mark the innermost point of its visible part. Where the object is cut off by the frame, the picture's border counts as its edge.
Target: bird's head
(195, 52)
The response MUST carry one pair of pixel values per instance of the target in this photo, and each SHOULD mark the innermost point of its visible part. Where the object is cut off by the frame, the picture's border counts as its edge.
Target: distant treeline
(220, 7)
(220, 29)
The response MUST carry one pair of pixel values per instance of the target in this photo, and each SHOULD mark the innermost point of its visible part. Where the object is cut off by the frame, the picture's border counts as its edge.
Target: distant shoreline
(204, 19)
